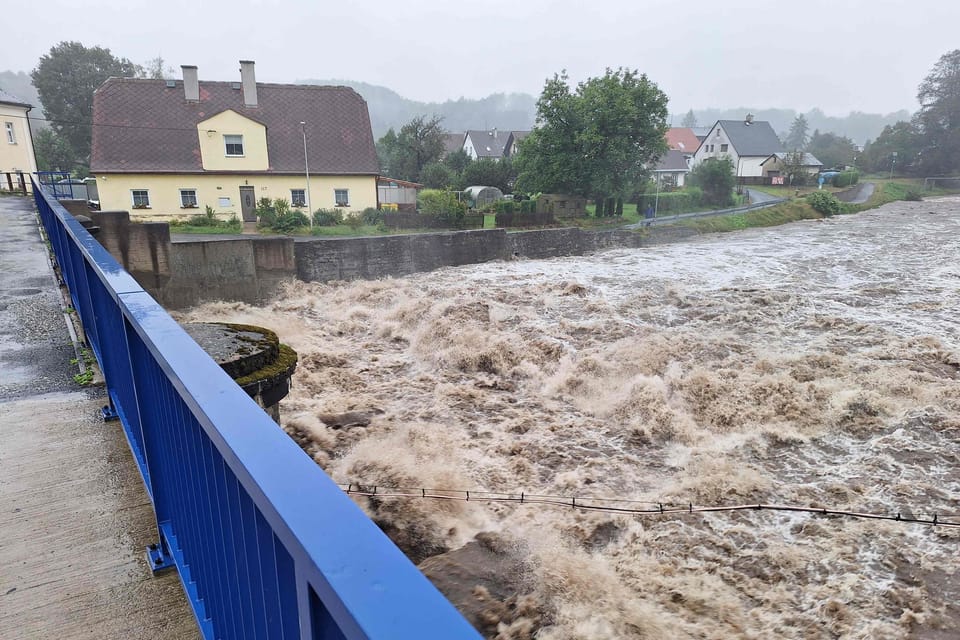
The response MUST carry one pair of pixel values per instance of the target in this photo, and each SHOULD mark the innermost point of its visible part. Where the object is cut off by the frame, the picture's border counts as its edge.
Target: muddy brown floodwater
(810, 364)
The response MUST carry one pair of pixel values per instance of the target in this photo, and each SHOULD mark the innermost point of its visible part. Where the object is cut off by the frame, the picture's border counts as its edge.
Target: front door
(248, 204)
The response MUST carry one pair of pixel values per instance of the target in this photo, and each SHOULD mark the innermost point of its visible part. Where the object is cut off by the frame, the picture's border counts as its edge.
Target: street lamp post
(893, 161)
(306, 169)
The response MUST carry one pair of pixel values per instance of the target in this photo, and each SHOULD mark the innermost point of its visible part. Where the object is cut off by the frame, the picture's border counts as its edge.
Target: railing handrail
(366, 586)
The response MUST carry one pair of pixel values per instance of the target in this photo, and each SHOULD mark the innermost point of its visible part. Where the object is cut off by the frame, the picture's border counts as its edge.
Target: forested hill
(506, 111)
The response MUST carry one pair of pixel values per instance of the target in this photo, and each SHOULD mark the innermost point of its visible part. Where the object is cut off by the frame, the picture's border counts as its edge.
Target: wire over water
(634, 507)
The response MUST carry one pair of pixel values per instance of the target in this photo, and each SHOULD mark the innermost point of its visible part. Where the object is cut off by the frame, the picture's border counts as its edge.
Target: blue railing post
(265, 544)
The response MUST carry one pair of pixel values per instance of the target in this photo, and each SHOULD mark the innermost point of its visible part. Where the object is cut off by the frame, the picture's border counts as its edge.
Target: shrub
(206, 219)
(506, 206)
(825, 203)
(443, 204)
(290, 221)
(717, 178)
(266, 214)
(913, 195)
(327, 217)
(372, 216)
(670, 203)
(846, 178)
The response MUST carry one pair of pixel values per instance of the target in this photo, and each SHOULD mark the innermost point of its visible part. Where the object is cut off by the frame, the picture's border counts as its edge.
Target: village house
(776, 165)
(748, 143)
(164, 148)
(492, 144)
(16, 144)
(682, 139)
(672, 168)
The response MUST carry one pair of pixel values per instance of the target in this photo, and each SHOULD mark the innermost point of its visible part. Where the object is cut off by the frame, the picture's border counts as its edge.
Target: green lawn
(217, 230)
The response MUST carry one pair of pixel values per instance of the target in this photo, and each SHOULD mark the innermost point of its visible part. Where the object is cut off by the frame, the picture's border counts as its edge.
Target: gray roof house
(673, 165)
(776, 163)
(481, 144)
(746, 142)
(452, 142)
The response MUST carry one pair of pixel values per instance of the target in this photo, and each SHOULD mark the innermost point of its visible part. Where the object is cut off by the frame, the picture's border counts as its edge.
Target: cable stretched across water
(635, 507)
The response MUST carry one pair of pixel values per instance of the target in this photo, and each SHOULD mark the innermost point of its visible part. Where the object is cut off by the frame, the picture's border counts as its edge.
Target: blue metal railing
(266, 545)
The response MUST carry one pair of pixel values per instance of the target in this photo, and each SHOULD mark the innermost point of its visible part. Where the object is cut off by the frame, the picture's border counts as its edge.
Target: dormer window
(233, 145)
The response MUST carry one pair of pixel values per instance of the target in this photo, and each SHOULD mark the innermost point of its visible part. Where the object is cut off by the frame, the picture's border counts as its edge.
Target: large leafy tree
(53, 152)
(597, 140)
(939, 117)
(715, 177)
(797, 137)
(418, 144)
(491, 173)
(832, 150)
(65, 79)
(903, 139)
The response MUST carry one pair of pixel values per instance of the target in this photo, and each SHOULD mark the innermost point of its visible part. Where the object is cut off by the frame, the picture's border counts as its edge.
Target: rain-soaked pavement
(74, 516)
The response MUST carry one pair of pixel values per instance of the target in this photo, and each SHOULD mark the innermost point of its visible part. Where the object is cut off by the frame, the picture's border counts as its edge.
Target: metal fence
(266, 545)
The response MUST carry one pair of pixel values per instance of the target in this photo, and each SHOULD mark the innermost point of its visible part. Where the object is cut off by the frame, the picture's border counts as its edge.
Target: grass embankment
(783, 213)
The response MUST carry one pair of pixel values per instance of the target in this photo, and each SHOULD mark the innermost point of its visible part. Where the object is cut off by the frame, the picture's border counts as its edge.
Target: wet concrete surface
(74, 516)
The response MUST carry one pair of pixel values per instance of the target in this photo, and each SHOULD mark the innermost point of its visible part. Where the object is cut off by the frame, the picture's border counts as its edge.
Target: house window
(341, 197)
(188, 198)
(141, 198)
(723, 147)
(223, 202)
(233, 145)
(298, 197)
(11, 136)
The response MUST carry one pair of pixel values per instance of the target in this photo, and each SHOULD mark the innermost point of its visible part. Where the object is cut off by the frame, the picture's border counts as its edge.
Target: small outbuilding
(482, 196)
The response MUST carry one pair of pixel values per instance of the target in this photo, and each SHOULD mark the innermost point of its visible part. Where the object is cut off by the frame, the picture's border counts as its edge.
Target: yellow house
(16, 143)
(167, 148)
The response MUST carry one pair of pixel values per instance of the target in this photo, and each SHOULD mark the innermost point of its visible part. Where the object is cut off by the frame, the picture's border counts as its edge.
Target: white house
(748, 143)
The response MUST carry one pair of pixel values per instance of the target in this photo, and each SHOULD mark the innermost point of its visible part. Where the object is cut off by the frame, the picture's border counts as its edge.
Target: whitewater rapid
(816, 364)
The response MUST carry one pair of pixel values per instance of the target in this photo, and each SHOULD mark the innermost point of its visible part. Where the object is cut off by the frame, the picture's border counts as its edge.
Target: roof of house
(682, 139)
(488, 144)
(700, 132)
(144, 125)
(673, 161)
(756, 138)
(809, 160)
(452, 142)
(9, 98)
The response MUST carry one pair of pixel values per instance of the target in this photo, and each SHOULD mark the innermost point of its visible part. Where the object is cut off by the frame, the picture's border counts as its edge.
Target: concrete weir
(252, 356)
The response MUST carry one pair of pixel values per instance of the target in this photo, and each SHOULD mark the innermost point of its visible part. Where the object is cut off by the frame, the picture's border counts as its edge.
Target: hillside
(389, 109)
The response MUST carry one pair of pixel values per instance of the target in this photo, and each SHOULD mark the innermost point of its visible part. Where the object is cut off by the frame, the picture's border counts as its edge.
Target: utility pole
(306, 169)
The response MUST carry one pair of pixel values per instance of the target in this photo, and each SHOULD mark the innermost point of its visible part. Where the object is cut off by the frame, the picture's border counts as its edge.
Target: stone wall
(250, 269)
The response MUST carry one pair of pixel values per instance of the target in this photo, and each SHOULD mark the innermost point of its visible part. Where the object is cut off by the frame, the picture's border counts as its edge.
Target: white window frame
(196, 200)
(11, 133)
(303, 198)
(224, 201)
(227, 144)
(146, 198)
(336, 201)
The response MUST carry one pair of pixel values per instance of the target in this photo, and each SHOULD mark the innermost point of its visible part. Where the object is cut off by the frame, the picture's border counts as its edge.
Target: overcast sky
(840, 56)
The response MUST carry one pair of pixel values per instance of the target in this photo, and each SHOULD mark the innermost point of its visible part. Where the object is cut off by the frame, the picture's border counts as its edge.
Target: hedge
(671, 201)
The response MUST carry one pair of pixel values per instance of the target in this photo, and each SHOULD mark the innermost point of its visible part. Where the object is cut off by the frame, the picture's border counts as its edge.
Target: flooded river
(813, 364)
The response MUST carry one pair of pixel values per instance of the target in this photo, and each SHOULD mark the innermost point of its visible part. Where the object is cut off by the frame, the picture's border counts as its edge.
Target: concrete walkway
(74, 517)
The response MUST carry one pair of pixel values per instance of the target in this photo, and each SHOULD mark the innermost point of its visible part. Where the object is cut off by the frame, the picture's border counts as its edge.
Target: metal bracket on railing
(158, 560)
(108, 413)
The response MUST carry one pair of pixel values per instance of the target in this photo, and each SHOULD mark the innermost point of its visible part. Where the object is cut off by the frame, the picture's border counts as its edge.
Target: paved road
(74, 516)
(858, 194)
(757, 197)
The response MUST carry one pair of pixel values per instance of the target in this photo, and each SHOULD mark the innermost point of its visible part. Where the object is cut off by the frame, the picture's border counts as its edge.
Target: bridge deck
(74, 516)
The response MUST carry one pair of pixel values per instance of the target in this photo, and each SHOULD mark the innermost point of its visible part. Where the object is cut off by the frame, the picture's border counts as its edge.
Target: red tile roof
(145, 126)
(682, 139)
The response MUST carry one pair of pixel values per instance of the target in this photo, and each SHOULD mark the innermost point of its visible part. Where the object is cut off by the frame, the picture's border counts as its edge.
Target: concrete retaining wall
(250, 269)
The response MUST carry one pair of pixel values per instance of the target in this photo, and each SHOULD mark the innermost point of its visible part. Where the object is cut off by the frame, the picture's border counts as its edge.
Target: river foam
(812, 364)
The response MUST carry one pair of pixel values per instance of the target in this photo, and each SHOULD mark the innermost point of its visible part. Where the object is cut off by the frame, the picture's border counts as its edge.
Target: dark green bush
(913, 195)
(266, 214)
(506, 206)
(443, 204)
(671, 203)
(825, 203)
(846, 178)
(372, 216)
(327, 217)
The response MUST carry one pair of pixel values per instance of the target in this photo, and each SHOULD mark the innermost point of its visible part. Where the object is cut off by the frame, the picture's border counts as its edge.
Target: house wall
(715, 138)
(469, 149)
(18, 156)
(213, 151)
(164, 191)
(750, 166)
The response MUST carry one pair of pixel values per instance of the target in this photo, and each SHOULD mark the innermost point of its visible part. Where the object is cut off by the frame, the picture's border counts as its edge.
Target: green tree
(832, 150)
(903, 138)
(597, 140)
(158, 69)
(419, 143)
(386, 149)
(457, 161)
(437, 176)
(797, 138)
(65, 79)
(939, 116)
(715, 177)
(793, 168)
(53, 152)
(491, 173)
(689, 120)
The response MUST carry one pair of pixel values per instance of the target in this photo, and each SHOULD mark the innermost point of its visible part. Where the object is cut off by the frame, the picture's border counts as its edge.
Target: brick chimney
(191, 85)
(249, 82)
